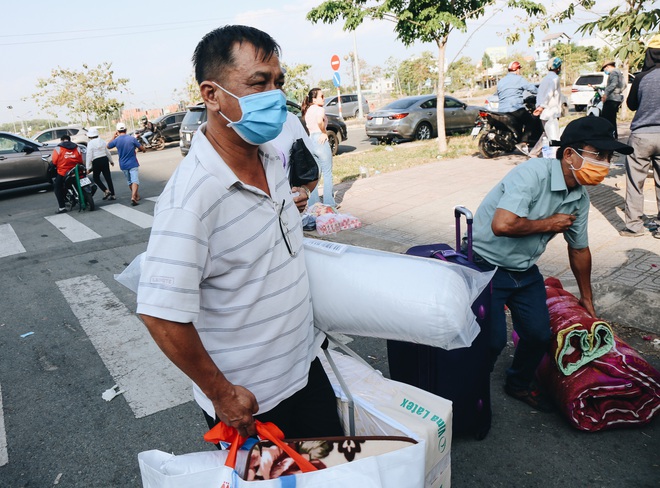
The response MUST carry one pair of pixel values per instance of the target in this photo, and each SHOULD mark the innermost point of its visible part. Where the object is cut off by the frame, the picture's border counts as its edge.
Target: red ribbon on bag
(266, 430)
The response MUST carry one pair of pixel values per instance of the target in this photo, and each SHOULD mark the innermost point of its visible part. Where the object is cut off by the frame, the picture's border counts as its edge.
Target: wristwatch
(306, 190)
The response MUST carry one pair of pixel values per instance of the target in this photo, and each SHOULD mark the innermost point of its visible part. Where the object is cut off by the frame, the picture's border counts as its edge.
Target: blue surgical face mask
(263, 116)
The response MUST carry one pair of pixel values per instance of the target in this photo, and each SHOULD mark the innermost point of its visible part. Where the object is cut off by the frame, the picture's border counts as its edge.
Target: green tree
(629, 24)
(462, 73)
(296, 85)
(417, 74)
(573, 60)
(86, 94)
(416, 20)
(486, 62)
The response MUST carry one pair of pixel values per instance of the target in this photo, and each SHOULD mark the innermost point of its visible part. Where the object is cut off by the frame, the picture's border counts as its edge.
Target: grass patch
(395, 157)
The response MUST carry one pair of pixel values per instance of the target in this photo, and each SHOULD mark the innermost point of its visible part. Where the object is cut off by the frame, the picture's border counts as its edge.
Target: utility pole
(357, 76)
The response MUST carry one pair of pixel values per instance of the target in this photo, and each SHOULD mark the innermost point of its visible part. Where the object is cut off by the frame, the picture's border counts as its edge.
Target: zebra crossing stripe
(152, 199)
(151, 383)
(9, 241)
(72, 229)
(136, 217)
(4, 455)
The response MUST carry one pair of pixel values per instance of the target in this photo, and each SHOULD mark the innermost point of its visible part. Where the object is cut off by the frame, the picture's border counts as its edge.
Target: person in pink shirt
(316, 122)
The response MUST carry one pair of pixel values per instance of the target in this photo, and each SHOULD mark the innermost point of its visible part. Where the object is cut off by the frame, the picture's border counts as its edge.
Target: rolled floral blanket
(596, 379)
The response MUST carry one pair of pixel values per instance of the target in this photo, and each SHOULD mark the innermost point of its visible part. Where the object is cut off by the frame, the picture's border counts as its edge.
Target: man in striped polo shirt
(224, 289)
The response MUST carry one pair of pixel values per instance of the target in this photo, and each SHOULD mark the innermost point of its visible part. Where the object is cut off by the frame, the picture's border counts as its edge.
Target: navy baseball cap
(594, 131)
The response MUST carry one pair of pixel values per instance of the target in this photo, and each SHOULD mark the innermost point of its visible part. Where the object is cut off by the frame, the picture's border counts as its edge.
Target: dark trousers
(101, 166)
(308, 413)
(59, 190)
(523, 292)
(610, 109)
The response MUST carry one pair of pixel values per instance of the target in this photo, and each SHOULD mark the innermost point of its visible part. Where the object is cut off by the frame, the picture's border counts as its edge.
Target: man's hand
(236, 409)
(538, 111)
(560, 222)
(301, 199)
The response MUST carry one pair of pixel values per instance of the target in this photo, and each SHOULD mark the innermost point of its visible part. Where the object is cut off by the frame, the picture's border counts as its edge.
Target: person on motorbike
(147, 130)
(510, 91)
(65, 156)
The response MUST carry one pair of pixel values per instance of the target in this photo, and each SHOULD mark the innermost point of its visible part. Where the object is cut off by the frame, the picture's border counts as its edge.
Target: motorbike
(595, 105)
(79, 189)
(156, 140)
(500, 132)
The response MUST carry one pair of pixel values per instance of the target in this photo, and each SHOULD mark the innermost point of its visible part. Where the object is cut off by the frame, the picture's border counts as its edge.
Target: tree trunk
(442, 138)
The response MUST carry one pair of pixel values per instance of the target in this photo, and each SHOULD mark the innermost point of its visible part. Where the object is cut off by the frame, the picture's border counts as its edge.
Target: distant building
(543, 48)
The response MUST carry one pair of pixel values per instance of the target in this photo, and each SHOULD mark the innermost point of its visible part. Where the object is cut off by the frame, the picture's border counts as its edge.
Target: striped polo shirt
(217, 257)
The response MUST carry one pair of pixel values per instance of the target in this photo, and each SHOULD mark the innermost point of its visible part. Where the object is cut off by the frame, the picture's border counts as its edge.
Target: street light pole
(357, 76)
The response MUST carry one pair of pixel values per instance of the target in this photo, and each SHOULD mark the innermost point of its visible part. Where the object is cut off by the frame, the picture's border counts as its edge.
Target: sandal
(107, 194)
(134, 203)
(533, 397)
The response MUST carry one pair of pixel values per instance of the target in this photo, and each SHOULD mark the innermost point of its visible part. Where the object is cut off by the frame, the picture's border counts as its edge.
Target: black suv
(196, 116)
(170, 125)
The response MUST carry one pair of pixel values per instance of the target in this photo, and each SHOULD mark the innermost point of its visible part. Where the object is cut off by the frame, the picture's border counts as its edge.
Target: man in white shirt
(548, 106)
(224, 289)
(98, 160)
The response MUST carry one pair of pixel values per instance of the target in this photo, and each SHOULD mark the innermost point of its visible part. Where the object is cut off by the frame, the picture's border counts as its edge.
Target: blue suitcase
(460, 375)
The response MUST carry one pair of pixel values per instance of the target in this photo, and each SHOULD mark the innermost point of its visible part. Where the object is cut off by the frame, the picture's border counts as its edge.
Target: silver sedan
(416, 118)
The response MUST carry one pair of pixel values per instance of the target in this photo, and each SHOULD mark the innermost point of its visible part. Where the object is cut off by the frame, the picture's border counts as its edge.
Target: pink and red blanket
(596, 379)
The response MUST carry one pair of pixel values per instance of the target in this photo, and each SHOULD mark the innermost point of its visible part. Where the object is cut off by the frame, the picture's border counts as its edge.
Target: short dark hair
(215, 51)
(575, 146)
(65, 137)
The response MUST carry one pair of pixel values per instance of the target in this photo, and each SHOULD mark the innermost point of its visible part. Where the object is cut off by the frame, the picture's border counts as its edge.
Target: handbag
(303, 167)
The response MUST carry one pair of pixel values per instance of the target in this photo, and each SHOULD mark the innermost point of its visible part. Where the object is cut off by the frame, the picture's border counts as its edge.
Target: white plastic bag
(364, 292)
(386, 407)
(130, 277)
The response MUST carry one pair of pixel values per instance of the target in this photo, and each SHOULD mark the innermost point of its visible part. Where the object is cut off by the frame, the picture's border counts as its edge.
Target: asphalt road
(68, 333)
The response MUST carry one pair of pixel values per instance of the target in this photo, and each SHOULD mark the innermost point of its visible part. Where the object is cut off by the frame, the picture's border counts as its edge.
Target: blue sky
(151, 42)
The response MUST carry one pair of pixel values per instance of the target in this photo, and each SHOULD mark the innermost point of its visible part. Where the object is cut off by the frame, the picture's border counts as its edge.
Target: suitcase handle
(469, 218)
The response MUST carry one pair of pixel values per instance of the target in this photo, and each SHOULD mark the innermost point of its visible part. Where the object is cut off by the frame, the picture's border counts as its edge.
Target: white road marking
(4, 455)
(9, 241)
(71, 228)
(136, 217)
(150, 381)
(152, 199)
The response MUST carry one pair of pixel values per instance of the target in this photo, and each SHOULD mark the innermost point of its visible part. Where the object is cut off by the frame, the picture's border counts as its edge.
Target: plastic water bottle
(546, 151)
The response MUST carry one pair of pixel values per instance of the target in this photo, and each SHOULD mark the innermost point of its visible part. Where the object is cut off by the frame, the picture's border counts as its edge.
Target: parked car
(493, 102)
(336, 127)
(52, 136)
(582, 93)
(23, 161)
(416, 118)
(349, 105)
(170, 125)
(196, 116)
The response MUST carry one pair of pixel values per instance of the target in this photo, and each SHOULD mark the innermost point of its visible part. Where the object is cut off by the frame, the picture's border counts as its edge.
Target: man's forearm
(580, 260)
(182, 345)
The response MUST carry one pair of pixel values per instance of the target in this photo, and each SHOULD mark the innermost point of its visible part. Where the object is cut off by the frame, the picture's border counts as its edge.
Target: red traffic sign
(334, 62)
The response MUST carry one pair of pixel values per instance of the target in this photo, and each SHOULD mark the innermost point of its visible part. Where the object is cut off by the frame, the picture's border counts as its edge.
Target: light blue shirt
(533, 190)
(510, 91)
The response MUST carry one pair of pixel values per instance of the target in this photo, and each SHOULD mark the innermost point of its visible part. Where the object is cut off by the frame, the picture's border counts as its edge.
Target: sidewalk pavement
(415, 206)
